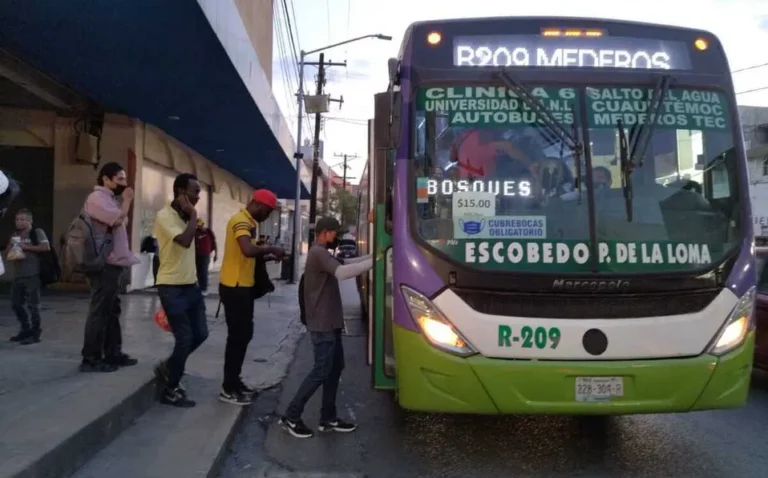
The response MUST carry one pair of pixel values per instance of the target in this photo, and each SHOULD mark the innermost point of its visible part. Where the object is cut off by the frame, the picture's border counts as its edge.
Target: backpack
(82, 252)
(50, 269)
(262, 284)
(302, 311)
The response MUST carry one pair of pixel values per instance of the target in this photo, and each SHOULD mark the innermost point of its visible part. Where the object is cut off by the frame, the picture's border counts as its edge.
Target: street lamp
(297, 202)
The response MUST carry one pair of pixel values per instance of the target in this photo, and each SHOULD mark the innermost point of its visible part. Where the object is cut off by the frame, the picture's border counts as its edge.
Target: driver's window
(676, 154)
(762, 275)
(604, 144)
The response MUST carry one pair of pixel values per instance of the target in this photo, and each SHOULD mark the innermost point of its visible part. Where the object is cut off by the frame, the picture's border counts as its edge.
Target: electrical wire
(753, 67)
(752, 90)
(287, 44)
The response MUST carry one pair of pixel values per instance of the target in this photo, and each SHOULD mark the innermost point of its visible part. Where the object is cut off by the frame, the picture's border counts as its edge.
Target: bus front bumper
(431, 380)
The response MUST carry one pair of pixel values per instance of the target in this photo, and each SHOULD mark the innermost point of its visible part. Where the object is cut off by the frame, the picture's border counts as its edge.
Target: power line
(753, 90)
(753, 67)
(295, 46)
(294, 49)
(282, 53)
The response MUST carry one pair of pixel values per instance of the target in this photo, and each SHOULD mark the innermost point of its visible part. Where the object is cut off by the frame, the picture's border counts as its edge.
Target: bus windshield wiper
(546, 119)
(632, 151)
(638, 143)
(626, 169)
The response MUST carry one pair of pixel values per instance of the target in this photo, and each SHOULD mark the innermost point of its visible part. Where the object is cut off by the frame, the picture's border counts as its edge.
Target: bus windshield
(497, 190)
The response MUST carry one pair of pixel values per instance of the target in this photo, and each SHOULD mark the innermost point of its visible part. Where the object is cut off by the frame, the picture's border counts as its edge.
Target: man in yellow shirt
(180, 295)
(236, 289)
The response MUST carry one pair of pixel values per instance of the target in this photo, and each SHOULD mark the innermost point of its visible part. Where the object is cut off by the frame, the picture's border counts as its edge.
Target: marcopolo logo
(590, 285)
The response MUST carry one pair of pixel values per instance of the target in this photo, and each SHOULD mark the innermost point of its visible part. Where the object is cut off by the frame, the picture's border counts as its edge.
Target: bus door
(383, 355)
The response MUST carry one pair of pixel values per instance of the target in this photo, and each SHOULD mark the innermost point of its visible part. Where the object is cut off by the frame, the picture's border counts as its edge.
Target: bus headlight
(738, 325)
(434, 325)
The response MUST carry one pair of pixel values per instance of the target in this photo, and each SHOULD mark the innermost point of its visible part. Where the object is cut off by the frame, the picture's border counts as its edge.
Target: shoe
(176, 398)
(97, 366)
(122, 360)
(23, 334)
(33, 337)
(163, 376)
(235, 398)
(337, 426)
(296, 428)
(251, 393)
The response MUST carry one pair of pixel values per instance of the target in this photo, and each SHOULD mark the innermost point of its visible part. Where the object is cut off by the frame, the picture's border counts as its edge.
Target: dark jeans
(203, 262)
(25, 302)
(103, 337)
(238, 311)
(185, 308)
(329, 362)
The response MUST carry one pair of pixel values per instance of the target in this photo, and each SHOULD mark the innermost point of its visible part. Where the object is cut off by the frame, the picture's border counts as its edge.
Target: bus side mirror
(395, 115)
(393, 65)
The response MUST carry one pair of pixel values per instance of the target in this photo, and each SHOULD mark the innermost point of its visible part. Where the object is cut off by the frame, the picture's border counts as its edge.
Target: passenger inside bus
(508, 154)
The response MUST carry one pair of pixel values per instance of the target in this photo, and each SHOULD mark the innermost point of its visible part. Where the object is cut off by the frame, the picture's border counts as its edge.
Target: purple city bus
(562, 221)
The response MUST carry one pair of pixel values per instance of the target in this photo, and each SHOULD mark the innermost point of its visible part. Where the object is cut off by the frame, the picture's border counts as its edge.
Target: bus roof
(562, 21)
(531, 26)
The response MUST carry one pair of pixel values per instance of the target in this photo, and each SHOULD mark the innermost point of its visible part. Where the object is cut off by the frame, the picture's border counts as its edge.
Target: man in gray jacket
(325, 321)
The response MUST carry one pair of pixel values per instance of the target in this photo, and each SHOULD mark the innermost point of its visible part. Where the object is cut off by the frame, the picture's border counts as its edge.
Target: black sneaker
(235, 398)
(251, 393)
(296, 428)
(337, 426)
(97, 366)
(32, 338)
(176, 398)
(122, 360)
(23, 334)
(163, 376)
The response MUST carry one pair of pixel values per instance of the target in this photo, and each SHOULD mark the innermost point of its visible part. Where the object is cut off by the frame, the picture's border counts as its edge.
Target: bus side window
(390, 180)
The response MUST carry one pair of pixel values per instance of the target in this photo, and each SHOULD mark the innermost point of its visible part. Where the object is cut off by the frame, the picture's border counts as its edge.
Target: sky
(741, 25)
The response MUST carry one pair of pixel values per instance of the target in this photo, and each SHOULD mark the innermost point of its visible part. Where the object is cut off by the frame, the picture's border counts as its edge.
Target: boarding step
(172, 442)
(55, 422)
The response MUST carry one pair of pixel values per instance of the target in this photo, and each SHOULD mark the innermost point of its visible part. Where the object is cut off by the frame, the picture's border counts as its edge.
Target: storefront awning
(186, 67)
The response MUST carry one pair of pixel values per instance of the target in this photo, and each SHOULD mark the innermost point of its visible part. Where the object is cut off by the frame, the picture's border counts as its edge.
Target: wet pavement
(393, 443)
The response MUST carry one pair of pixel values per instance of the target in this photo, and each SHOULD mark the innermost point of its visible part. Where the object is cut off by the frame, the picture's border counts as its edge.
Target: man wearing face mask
(103, 344)
(236, 289)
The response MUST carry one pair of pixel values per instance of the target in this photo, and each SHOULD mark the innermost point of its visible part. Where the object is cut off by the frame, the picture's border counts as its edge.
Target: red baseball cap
(265, 197)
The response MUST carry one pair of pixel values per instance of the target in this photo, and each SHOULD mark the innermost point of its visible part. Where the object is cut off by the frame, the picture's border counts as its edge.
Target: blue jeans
(329, 362)
(185, 308)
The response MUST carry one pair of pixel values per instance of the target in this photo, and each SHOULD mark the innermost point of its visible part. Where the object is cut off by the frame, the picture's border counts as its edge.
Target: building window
(765, 167)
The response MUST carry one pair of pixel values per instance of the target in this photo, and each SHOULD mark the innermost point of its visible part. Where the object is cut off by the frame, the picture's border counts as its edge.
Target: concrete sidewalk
(57, 421)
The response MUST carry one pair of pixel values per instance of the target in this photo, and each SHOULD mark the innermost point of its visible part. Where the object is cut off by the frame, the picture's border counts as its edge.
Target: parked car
(347, 248)
(761, 310)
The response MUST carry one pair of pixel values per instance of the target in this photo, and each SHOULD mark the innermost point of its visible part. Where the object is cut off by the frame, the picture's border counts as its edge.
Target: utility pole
(316, 147)
(344, 174)
(342, 206)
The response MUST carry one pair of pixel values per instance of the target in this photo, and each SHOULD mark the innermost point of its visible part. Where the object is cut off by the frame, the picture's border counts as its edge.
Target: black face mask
(334, 244)
(119, 188)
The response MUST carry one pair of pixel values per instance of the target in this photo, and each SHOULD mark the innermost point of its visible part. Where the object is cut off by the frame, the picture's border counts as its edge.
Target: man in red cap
(236, 289)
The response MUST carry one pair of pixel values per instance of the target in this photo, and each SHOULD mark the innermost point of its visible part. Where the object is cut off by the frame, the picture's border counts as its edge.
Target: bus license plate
(591, 389)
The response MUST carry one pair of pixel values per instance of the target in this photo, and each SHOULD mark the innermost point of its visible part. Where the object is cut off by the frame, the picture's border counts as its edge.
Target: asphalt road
(392, 443)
